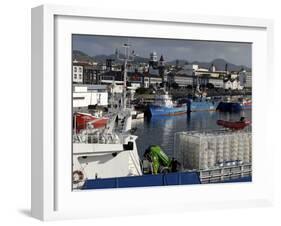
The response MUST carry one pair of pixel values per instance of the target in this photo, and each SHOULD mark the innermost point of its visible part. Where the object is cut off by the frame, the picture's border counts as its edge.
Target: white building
(233, 75)
(154, 80)
(242, 77)
(212, 68)
(228, 85)
(218, 83)
(85, 95)
(153, 57)
(248, 79)
(233, 85)
(77, 73)
(183, 80)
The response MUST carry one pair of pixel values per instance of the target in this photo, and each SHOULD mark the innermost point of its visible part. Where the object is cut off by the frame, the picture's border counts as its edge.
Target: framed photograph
(137, 112)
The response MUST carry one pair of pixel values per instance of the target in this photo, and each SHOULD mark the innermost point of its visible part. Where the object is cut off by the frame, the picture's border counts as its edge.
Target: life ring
(78, 176)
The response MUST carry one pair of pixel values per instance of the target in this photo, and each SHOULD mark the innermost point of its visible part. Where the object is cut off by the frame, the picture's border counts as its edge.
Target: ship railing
(97, 138)
(227, 172)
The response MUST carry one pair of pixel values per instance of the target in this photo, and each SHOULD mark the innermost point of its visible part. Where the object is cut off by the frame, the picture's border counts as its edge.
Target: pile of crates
(207, 150)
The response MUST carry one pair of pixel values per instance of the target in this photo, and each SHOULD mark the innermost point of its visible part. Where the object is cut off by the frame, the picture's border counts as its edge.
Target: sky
(171, 49)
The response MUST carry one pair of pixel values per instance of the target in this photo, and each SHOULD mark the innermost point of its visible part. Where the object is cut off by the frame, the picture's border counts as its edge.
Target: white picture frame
(52, 197)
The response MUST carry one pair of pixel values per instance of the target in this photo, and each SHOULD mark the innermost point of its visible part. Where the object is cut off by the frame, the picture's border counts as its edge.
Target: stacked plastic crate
(208, 150)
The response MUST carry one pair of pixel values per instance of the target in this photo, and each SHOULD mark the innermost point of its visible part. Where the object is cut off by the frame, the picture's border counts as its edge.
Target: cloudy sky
(189, 50)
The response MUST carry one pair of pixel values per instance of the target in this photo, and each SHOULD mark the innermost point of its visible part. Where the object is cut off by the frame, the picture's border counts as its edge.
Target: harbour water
(160, 130)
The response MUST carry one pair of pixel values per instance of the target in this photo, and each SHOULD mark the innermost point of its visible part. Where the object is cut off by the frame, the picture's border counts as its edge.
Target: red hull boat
(237, 125)
(84, 119)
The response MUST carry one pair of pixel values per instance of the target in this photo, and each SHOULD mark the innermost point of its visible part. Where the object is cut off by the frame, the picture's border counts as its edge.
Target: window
(75, 69)
(75, 76)
(80, 69)
(78, 98)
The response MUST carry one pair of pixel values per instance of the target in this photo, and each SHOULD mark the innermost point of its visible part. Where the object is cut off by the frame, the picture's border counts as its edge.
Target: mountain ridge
(219, 63)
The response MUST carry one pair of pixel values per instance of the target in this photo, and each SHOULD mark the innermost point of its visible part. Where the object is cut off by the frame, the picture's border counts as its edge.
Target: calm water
(160, 130)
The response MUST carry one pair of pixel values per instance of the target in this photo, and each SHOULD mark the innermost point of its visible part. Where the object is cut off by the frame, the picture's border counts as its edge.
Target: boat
(200, 102)
(229, 107)
(136, 115)
(235, 105)
(201, 105)
(246, 104)
(164, 105)
(161, 170)
(100, 153)
(103, 147)
(165, 179)
(234, 125)
(219, 166)
(84, 120)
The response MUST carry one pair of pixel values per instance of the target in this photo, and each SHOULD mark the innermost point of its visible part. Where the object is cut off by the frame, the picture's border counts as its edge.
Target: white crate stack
(206, 150)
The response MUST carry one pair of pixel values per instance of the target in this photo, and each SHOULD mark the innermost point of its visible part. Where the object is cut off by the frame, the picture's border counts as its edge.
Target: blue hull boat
(229, 107)
(193, 106)
(156, 110)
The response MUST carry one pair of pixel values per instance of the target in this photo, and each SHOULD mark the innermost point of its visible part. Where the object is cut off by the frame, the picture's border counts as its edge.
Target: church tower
(161, 68)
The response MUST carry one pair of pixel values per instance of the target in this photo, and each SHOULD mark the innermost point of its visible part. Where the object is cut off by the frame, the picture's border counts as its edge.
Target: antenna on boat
(128, 56)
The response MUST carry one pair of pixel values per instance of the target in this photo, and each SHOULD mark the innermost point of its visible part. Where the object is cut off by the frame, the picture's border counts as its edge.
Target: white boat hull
(105, 160)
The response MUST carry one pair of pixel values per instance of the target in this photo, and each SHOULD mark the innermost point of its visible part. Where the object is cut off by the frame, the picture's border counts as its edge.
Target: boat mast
(127, 58)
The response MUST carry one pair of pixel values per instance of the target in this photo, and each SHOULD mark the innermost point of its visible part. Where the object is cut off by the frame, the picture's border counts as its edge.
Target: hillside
(219, 63)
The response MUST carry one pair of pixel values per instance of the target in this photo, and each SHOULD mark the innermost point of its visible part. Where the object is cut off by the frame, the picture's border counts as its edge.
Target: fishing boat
(234, 105)
(196, 164)
(201, 105)
(105, 152)
(164, 105)
(199, 101)
(103, 148)
(229, 107)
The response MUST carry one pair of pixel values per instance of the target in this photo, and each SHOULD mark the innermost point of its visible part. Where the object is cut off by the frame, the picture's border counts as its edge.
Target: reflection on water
(160, 130)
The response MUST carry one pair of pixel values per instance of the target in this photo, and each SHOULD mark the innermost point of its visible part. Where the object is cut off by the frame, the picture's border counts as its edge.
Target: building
(85, 95)
(153, 80)
(77, 73)
(245, 78)
(248, 83)
(181, 80)
(188, 69)
(194, 70)
(217, 82)
(86, 72)
(90, 74)
(153, 61)
(233, 84)
(228, 85)
(110, 77)
(212, 68)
